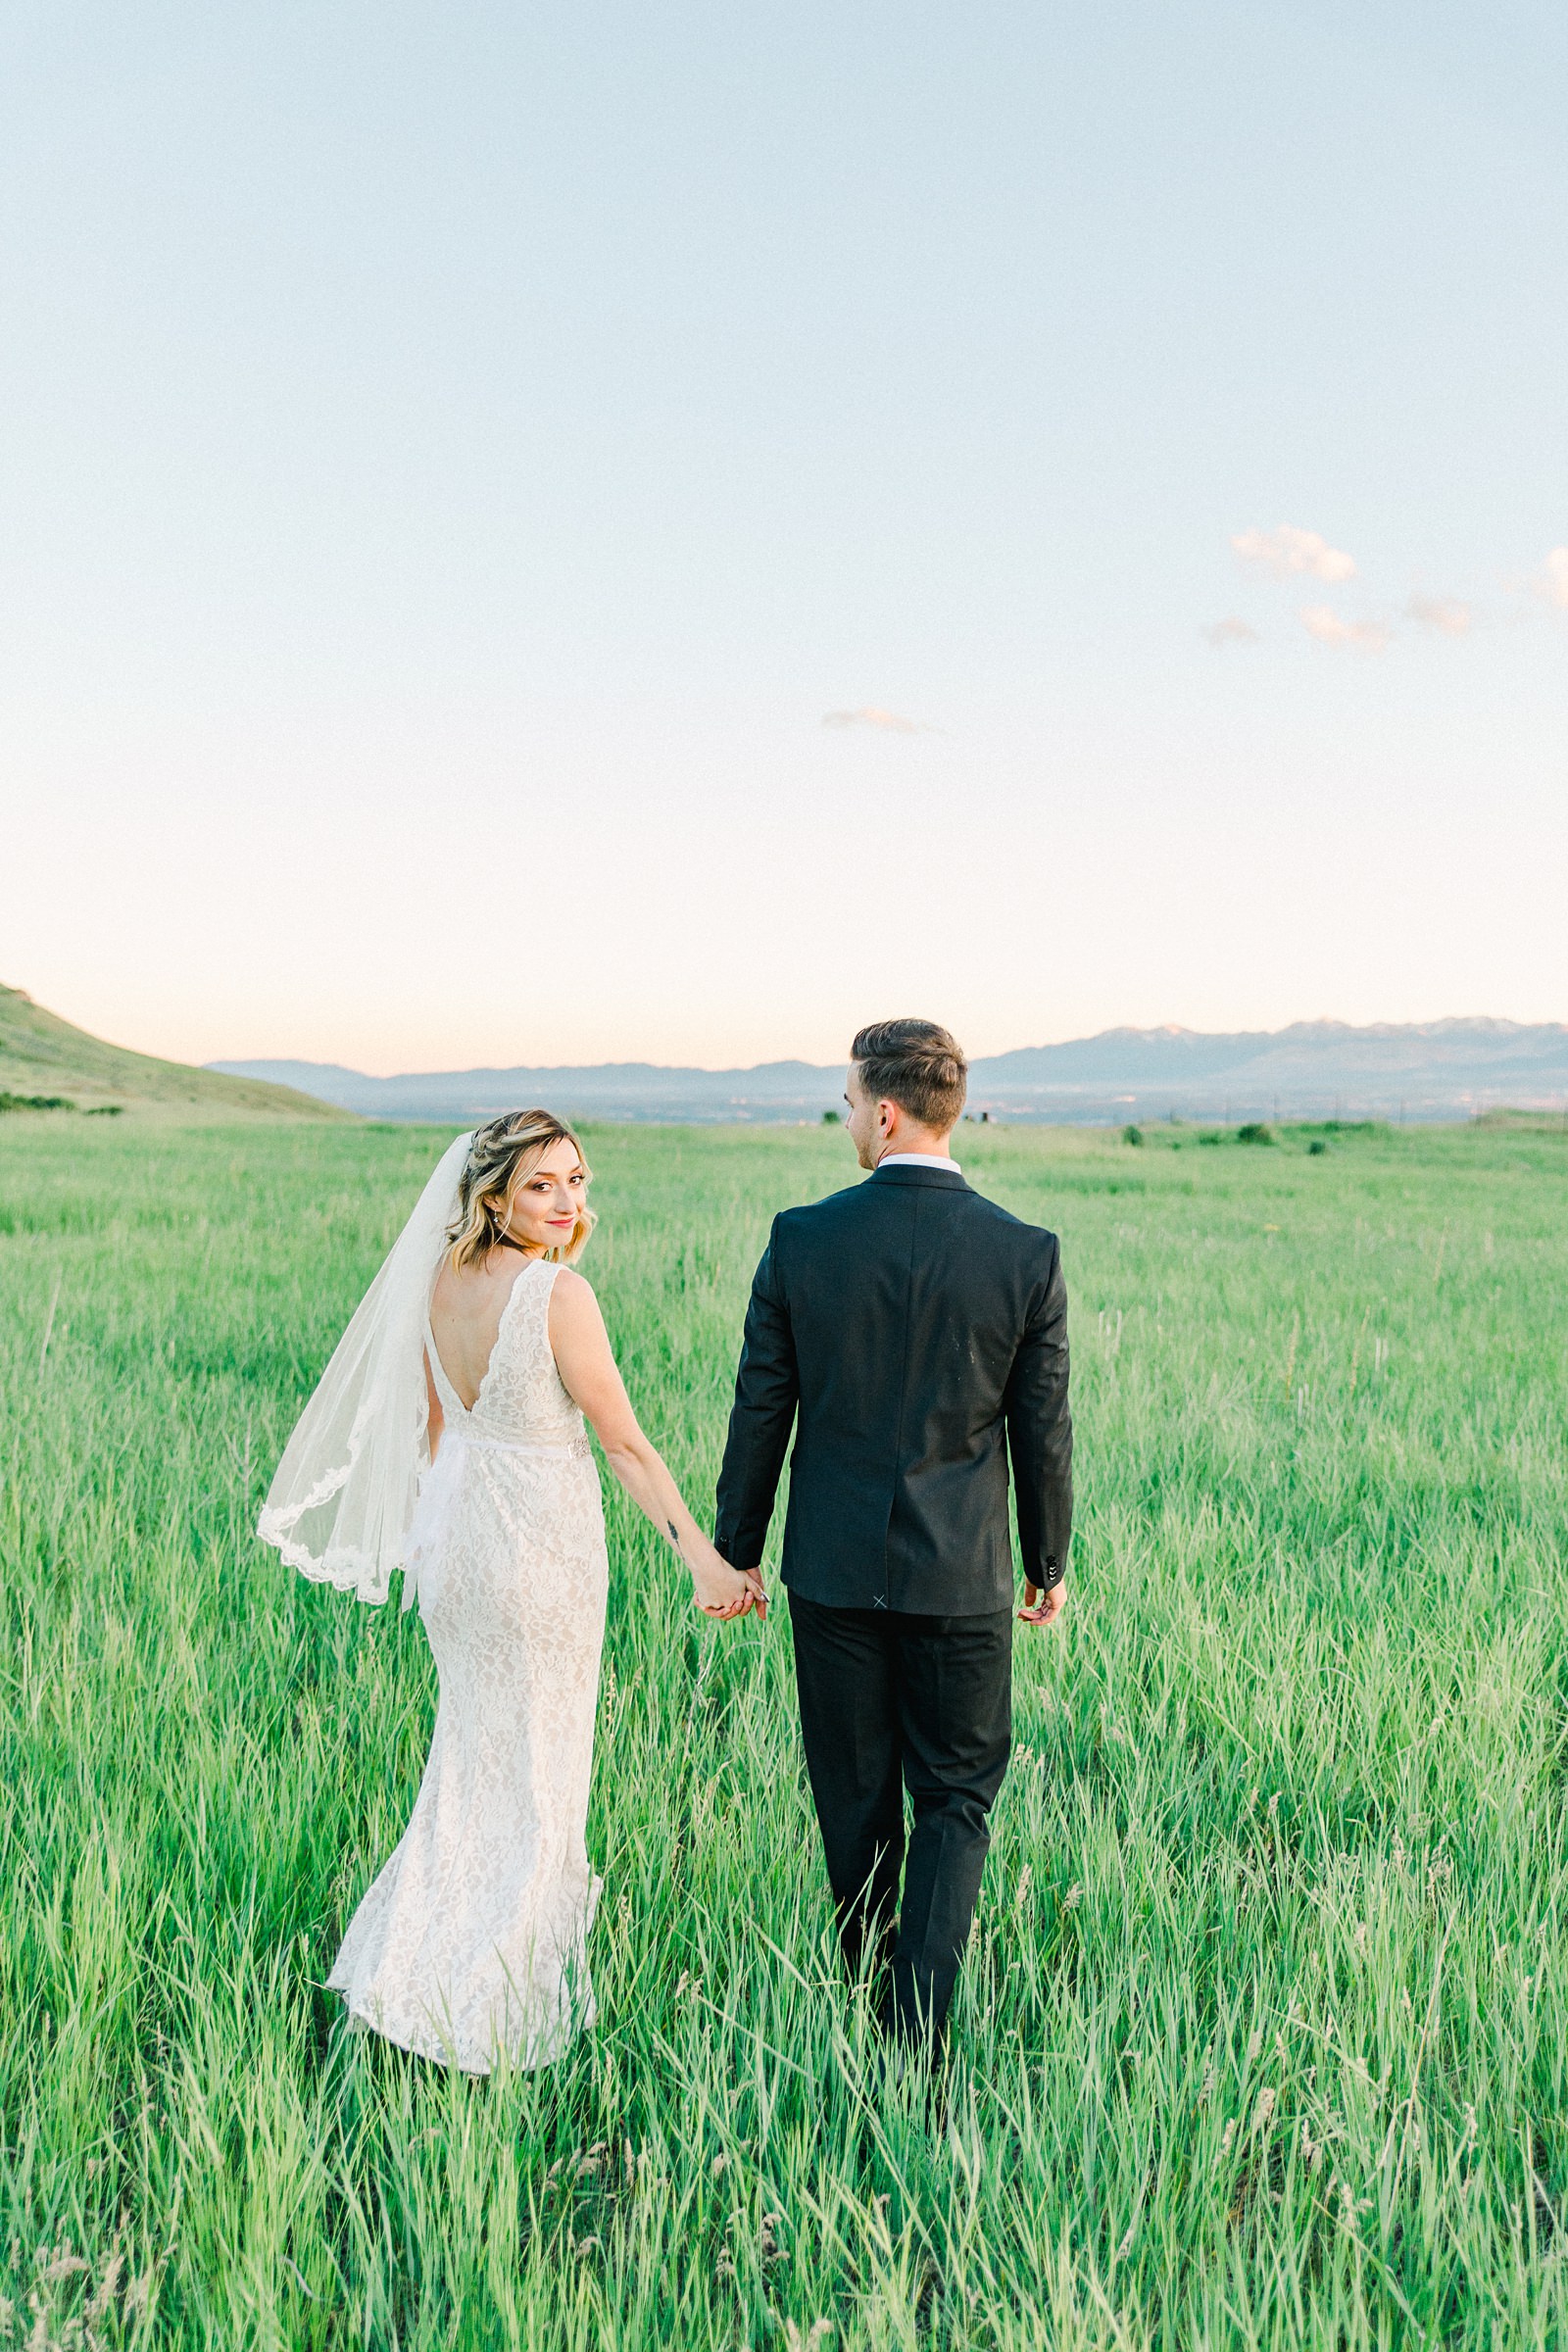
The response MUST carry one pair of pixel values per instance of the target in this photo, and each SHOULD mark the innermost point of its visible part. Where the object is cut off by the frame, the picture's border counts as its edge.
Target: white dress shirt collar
(920, 1160)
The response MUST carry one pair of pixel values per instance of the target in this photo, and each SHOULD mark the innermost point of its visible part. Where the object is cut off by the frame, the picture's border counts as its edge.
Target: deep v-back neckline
(469, 1410)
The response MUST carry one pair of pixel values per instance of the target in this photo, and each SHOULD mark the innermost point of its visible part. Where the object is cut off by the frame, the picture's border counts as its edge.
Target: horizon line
(1127, 1029)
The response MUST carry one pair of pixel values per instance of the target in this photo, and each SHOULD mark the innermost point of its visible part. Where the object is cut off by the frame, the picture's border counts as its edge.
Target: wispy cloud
(1550, 582)
(1329, 628)
(887, 721)
(1289, 552)
(1232, 630)
(1450, 615)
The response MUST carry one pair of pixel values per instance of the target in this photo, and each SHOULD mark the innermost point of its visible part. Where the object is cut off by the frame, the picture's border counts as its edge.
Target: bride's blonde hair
(504, 1155)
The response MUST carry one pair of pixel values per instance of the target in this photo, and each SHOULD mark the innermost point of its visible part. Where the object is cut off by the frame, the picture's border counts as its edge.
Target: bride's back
(466, 1312)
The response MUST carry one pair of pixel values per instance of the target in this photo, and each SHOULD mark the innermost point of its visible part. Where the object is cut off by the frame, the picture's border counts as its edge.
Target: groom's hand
(1043, 1608)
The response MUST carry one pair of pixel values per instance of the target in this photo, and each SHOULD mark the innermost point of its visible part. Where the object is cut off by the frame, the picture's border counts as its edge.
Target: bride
(446, 1438)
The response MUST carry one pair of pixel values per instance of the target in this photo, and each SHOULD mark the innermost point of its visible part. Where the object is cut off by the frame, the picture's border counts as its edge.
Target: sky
(549, 536)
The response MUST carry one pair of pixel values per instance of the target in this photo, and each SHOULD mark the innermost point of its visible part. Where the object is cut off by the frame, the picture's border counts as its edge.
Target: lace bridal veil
(343, 1496)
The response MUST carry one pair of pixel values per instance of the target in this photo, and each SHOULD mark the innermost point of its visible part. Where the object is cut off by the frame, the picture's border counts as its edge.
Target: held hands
(1043, 1608)
(721, 1590)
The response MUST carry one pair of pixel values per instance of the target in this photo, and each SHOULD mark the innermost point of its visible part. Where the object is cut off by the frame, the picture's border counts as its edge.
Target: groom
(916, 1337)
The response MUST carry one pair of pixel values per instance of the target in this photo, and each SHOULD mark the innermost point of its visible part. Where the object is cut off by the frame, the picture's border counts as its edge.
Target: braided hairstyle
(503, 1155)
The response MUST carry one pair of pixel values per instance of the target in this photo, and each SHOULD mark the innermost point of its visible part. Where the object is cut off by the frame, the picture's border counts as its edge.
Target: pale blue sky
(456, 457)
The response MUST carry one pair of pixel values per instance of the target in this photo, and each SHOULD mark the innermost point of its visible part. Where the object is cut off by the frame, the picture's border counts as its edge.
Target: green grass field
(1264, 2033)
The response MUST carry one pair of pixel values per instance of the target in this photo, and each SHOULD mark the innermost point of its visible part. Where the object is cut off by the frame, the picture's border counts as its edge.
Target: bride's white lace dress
(472, 1941)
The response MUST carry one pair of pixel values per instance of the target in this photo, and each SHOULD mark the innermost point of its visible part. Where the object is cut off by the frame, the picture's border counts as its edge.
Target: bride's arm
(581, 1347)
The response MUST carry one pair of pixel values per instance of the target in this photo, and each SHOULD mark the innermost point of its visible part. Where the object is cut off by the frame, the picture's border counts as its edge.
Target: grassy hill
(41, 1055)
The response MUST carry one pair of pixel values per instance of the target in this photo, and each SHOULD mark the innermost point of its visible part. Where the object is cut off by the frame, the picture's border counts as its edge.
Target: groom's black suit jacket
(920, 1333)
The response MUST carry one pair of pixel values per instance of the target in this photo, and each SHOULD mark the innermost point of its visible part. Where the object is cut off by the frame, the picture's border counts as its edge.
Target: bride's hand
(721, 1591)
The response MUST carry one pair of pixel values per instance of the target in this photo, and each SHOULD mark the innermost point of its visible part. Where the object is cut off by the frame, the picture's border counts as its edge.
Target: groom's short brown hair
(917, 1065)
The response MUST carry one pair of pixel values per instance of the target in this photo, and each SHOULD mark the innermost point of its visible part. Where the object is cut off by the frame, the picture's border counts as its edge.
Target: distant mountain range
(1313, 1069)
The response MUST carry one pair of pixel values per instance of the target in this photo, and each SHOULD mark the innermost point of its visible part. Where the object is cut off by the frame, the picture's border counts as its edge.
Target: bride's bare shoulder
(578, 1332)
(573, 1292)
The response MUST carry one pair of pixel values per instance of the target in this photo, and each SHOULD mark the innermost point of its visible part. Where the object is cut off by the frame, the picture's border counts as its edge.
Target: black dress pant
(887, 1703)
